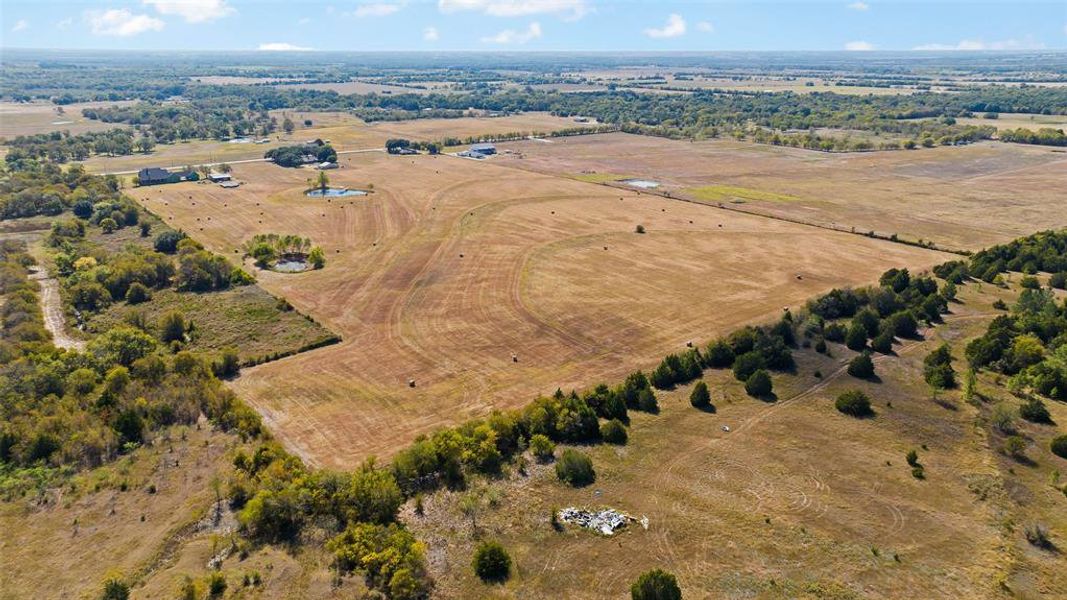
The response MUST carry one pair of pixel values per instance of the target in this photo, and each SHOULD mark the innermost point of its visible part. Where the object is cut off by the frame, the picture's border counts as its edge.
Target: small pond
(334, 193)
(644, 184)
(290, 265)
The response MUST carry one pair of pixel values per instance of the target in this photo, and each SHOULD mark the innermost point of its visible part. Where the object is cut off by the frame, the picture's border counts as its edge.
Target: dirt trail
(52, 307)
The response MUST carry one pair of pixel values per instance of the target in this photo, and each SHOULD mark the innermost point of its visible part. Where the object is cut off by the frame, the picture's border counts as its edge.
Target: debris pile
(606, 521)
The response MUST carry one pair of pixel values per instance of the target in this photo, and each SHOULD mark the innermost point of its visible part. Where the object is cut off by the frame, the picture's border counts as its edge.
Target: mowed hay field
(345, 132)
(796, 501)
(452, 266)
(29, 118)
(965, 197)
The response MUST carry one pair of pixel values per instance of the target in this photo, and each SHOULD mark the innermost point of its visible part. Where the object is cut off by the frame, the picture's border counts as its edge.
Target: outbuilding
(157, 176)
(220, 177)
(483, 149)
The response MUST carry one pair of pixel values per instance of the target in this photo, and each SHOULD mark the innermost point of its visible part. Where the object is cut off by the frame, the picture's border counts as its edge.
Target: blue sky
(693, 25)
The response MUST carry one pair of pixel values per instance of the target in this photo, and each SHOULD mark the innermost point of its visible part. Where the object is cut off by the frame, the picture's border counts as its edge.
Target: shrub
(137, 293)
(172, 327)
(1000, 305)
(1035, 411)
(639, 229)
(491, 562)
(700, 398)
(912, 457)
(1037, 535)
(1029, 282)
(115, 589)
(719, 355)
(937, 368)
(836, 332)
(656, 584)
(855, 404)
(759, 385)
(646, 401)
(575, 468)
(1003, 419)
(856, 338)
(109, 225)
(613, 432)
(883, 342)
(861, 367)
(903, 324)
(1015, 447)
(1058, 280)
(167, 242)
(542, 448)
(820, 346)
(1059, 446)
(216, 584)
(747, 364)
(228, 365)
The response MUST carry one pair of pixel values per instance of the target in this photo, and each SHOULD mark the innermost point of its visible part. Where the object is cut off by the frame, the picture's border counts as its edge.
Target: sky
(536, 25)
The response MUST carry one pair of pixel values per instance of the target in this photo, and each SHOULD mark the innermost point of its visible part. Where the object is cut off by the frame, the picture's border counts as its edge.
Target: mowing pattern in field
(451, 266)
(961, 197)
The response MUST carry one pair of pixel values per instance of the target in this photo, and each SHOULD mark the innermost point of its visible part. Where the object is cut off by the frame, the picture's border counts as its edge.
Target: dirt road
(52, 307)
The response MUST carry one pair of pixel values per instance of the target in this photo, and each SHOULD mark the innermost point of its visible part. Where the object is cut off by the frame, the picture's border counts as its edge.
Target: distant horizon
(858, 26)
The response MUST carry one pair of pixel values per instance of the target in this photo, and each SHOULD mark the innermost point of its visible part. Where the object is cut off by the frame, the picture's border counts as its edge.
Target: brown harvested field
(343, 130)
(1017, 120)
(22, 118)
(453, 265)
(796, 501)
(964, 197)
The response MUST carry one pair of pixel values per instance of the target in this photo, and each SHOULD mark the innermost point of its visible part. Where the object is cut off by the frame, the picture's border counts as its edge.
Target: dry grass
(960, 197)
(796, 501)
(19, 118)
(452, 265)
(343, 130)
(1017, 120)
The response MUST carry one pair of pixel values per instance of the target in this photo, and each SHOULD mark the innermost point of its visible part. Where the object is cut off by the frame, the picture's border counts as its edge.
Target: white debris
(606, 521)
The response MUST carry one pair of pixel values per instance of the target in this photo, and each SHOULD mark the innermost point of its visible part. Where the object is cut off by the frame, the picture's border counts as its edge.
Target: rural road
(52, 307)
(238, 162)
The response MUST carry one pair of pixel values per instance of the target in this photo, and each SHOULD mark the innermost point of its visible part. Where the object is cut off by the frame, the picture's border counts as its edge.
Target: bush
(719, 355)
(937, 368)
(216, 584)
(115, 589)
(820, 346)
(167, 242)
(575, 468)
(856, 338)
(656, 584)
(747, 364)
(172, 327)
(1000, 305)
(1015, 447)
(861, 367)
(1059, 446)
(759, 385)
(1058, 280)
(639, 229)
(700, 398)
(1037, 535)
(542, 448)
(613, 432)
(1029, 282)
(883, 343)
(491, 562)
(912, 457)
(1035, 411)
(836, 332)
(137, 293)
(855, 404)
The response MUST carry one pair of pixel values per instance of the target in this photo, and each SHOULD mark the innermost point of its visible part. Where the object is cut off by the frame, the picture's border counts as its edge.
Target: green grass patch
(721, 193)
(247, 318)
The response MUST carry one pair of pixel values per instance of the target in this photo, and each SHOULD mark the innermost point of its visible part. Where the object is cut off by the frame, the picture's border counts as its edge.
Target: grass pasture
(796, 501)
(29, 118)
(343, 130)
(451, 267)
(965, 197)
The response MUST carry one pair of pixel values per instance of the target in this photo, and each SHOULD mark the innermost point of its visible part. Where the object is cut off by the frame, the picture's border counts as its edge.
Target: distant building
(220, 177)
(326, 165)
(157, 176)
(230, 184)
(471, 154)
(483, 149)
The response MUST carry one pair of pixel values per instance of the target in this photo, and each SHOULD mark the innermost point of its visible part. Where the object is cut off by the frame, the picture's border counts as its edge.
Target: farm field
(29, 118)
(364, 87)
(964, 197)
(1017, 120)
(343, 130)
(488, 285)
(796, 501)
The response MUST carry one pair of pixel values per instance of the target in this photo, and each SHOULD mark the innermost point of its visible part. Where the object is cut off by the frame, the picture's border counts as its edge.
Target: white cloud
(376, 9)
(120, 22)
(1027, 43)
(282, 47)
(430, 34)
(567, 9)
(193, 11)
(859, 5)
(65, 23)
(20, 25)
(705, 27)
(510, 36)
(674, 27)
(859, 46)
(304, 21)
